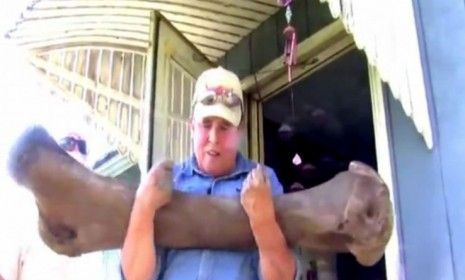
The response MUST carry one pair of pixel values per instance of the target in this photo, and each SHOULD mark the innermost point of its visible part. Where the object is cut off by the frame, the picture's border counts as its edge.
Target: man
(216, 168)
(28, 258)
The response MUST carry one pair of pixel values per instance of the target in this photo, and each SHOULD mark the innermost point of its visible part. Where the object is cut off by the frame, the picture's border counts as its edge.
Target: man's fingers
(261, 173)
(265, 176)
(166, 165)
(262, 176)
(162, 165)
(159, 176)
(253, 176)
(257, 177)
(246, 183)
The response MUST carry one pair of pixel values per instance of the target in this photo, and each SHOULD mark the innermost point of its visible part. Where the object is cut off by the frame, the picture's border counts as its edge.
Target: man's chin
(215, 168)
(215, 172)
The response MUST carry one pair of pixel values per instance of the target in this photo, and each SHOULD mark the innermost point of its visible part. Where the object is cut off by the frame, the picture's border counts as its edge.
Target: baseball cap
(215, 78)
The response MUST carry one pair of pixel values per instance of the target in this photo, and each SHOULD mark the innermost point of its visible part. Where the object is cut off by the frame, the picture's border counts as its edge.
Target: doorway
(313, 129)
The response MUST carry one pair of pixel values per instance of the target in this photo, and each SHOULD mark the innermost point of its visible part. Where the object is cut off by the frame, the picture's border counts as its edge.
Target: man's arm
(276, 259)
(139, 260)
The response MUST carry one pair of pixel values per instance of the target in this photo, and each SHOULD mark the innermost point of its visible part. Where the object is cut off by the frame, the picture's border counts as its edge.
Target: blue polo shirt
(212, 264)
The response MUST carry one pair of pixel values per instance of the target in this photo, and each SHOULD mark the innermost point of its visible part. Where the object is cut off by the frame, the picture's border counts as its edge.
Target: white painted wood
(89, 47)
(141, 11)
(231, 38)
(196, 39)
(53, 27)
(87, 40)
(221, 23)
(82, 19)
(207, 24)
(96, 118)
(268, 2)
(57, 13)
(172, 5)
(391, 45)
(85, 82)
(174, 56)
(268, 8)
(394, 267)
(210, 51)
(143, 37)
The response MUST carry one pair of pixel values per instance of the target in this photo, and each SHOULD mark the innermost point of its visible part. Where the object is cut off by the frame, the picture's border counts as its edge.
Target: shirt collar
(243, 165)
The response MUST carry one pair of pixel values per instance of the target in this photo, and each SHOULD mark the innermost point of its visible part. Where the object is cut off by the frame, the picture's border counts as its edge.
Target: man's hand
(276, 260)
(156, 187)
(139, 253)
(256, 196)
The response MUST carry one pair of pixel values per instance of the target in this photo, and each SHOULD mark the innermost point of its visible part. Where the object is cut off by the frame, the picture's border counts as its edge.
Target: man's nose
(213, 135)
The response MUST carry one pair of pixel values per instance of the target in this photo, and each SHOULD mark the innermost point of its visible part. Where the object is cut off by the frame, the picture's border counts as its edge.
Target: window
(180, 89)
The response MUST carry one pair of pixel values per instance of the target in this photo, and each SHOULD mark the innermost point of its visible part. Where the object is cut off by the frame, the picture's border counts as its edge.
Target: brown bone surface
(81, 211)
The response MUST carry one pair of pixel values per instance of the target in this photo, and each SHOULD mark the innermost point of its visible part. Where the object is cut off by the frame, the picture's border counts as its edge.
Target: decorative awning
(391, 45)
(212, 26)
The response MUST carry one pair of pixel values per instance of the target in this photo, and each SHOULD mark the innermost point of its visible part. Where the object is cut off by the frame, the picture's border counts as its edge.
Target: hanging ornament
(290, 49)
(296, 160)
(290, 39)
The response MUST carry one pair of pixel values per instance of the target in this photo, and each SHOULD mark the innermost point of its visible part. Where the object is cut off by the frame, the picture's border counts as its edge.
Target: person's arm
(18, 230)
(139, 260)
(9, 263)
(276, 259)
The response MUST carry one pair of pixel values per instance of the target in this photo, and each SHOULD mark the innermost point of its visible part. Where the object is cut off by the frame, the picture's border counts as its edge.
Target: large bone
(82, 212)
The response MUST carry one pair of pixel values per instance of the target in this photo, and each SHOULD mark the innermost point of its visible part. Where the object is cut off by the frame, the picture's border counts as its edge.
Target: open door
(310, 130)
(175, 65)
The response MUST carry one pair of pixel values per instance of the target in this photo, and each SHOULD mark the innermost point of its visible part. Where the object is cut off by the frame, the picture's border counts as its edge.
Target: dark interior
(314, 129)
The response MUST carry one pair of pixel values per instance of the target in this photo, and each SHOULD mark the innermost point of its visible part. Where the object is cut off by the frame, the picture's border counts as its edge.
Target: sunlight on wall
(24, 102)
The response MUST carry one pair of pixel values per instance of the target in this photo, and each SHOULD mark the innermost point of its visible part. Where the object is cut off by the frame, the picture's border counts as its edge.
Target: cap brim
(232, 115)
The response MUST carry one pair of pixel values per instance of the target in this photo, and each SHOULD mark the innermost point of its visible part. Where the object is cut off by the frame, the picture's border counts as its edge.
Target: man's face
(216, 142)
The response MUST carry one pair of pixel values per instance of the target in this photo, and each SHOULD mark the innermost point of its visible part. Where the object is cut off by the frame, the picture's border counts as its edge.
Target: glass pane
(179, 93)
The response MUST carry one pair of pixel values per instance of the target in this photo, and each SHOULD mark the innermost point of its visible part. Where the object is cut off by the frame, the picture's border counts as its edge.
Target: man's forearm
(138, 253)
(276, 259)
